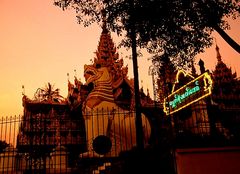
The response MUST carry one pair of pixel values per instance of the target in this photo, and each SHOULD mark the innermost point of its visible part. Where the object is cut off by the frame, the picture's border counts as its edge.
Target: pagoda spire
(224, 80)
(104, 24)
(219, 57)
(106, 51)
(106, 54)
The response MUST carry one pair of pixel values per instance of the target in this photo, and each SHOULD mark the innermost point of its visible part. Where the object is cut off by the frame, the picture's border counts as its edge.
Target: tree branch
(227, 38)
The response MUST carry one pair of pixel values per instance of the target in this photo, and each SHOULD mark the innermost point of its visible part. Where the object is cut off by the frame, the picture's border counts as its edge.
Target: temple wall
(222, 160)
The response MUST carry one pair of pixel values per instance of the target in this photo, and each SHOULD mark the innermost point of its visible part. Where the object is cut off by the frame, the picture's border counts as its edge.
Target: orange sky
(40, 43)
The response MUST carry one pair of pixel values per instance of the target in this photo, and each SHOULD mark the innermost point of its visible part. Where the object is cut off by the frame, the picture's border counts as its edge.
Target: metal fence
(56, 142)
(104, 141)
(206, 125)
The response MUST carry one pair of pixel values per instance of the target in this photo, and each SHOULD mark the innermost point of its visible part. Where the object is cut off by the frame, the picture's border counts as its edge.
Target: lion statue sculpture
(109, 128)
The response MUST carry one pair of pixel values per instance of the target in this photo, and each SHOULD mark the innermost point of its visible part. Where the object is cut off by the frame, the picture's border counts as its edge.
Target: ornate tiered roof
(107, 56)
(222, 72)
(226, 85)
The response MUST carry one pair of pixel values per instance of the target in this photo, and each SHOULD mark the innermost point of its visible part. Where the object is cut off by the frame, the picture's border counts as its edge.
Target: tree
(212, 15)
(166, 72)
(182, 28)
(48, 93)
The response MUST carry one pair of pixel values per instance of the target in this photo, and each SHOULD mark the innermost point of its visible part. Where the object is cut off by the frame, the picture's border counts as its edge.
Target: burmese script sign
(188, 94)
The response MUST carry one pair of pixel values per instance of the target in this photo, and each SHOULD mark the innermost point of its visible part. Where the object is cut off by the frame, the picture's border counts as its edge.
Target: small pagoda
(226, 89)
(48, 124)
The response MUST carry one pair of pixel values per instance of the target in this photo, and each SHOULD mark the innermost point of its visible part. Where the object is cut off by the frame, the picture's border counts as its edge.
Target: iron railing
(58, 143)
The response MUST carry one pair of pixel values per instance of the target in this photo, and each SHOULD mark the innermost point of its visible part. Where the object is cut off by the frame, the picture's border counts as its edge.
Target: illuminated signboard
(188, 94)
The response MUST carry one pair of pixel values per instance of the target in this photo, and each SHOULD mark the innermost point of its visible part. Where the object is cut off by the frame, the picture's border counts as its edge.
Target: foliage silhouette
(181, 28)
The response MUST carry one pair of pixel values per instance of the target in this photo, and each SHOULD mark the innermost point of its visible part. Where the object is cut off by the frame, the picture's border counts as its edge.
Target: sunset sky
(40, 43)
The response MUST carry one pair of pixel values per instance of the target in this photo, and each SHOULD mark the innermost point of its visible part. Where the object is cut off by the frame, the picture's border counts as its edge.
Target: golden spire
(106, 53)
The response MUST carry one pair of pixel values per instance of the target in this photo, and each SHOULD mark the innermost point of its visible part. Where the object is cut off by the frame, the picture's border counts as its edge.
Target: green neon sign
(188, 94)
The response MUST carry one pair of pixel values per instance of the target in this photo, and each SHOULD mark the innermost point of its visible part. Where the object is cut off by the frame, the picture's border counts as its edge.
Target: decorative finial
(201, 65)
(219, 57)
(68, 76)
(23, 90)
(75, 73)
